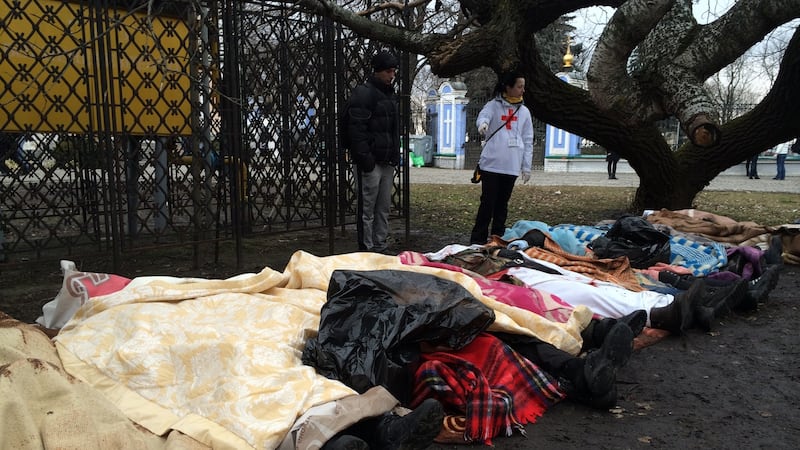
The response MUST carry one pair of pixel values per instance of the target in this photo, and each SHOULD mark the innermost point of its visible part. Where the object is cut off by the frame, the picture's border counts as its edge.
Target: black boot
(724, 297)
(774, 254)
(595, 334)
(679, 315)
(592, 380)
(682, 282)
(414, 431)
(616, 349)
(606, 400)
(758, 290)
(636, 321)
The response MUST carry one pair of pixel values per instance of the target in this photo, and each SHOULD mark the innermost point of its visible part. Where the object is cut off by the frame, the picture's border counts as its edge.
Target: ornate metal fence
(133, 124)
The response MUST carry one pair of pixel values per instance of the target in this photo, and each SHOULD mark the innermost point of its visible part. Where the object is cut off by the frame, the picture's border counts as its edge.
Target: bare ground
(736, 387)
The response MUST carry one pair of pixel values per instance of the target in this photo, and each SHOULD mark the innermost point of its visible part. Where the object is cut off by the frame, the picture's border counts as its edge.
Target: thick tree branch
(493, 44)
(721, 42)
(413, 41)
(397, 6)
(629, 25)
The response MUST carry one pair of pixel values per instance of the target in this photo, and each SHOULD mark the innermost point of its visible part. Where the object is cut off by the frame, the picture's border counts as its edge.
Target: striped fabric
(702, 258)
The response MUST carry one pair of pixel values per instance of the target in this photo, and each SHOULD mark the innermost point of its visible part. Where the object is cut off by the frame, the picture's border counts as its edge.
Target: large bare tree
(675, 55)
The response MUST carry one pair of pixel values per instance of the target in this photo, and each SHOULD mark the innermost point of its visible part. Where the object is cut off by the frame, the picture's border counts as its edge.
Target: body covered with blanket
(220, 360)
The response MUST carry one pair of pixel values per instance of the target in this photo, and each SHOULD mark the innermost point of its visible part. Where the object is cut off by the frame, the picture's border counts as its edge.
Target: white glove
(526, 176)
(483, 127)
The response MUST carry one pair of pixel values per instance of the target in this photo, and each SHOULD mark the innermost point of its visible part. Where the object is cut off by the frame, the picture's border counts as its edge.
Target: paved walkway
(542, 178)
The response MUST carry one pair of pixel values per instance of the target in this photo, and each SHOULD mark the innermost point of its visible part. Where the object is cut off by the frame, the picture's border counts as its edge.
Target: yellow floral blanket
(219, 360)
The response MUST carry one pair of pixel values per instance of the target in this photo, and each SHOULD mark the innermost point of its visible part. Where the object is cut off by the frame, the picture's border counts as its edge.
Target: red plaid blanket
(497, 389)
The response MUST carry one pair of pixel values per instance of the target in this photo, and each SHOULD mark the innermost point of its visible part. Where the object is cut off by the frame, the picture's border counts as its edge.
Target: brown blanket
(718, 228)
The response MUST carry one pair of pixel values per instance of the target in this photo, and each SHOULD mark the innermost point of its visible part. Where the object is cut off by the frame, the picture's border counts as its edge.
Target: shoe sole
(599, 373)
(636, 321)
(600, 367)
(618, 344)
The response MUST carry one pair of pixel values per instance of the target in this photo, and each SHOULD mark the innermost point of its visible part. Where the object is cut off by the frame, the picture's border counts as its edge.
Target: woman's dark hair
(506, 79)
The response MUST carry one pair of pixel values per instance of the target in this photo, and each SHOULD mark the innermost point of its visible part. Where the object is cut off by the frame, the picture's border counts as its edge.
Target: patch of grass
(765, 208)
(452, 208)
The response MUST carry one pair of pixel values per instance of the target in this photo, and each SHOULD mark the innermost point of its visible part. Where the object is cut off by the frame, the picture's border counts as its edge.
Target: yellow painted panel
(49, 61)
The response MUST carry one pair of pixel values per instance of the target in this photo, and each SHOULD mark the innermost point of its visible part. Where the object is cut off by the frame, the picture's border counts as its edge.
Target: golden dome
(568, 58)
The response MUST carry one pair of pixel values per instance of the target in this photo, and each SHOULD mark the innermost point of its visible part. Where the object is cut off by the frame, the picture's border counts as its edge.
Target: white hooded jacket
(510, 150)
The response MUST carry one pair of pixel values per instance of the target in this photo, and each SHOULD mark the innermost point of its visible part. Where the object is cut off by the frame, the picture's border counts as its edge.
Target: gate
(127, 125)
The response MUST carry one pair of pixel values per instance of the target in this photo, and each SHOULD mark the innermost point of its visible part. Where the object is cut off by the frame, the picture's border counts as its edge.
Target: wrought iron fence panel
(128, 124)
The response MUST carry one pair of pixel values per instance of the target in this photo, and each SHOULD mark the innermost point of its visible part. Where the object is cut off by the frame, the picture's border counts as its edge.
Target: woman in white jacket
(507, 128)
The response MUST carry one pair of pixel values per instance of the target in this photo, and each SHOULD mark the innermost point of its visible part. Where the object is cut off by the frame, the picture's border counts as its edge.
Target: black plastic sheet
(373, 323)
(636, 238)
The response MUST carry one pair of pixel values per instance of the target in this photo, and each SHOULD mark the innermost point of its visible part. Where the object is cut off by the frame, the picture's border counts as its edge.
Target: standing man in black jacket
(374, 130)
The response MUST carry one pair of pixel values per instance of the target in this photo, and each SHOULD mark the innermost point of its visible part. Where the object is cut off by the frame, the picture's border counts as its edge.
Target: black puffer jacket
(374, 125)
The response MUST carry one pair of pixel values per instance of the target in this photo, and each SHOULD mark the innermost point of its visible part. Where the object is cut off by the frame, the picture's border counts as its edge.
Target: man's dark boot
(682, 282)
(679, 315)
(414, 431)
(758, 290)
(592, 380)
(636, 321)
(605, 400)
(617, 346)
(725, 296)
(774, 254)
(595, 334)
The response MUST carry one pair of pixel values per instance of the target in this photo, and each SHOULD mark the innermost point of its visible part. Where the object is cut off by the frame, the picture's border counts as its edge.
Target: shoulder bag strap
(504, 124)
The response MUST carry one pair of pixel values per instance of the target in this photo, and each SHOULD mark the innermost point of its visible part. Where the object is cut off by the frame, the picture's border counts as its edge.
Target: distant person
(613, 158)
(751, 167)
(11, 153)
(374, 130)
(507, 127)
(781, 152)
